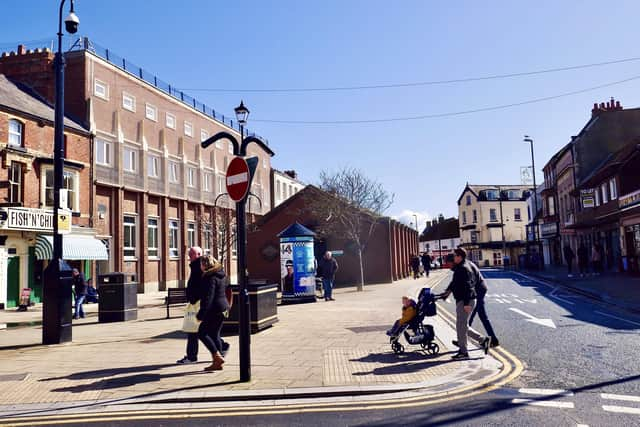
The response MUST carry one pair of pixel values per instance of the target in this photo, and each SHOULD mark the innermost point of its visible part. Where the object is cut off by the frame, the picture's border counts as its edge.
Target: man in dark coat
(583, 259)
(80, 289)
(415, 266)
(463, 288)
(426, 263)
(327, 269)
(568, 257)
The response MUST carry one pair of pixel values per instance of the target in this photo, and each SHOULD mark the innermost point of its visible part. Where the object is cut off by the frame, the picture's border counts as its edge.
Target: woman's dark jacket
(214, 300)
(463, 284)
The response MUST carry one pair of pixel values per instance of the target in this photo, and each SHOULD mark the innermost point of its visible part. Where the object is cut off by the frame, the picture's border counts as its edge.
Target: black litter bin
(118, 297)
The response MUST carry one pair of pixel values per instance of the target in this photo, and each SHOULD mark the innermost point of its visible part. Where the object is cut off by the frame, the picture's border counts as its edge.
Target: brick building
(26, 193)
(440, 237)
(155, 191)
(386, 258)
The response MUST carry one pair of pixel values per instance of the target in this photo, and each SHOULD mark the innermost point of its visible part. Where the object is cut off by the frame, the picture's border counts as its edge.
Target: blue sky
(203, 45)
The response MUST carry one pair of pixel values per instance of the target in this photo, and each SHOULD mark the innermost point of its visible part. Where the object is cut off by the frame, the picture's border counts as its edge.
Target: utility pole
(502, 224)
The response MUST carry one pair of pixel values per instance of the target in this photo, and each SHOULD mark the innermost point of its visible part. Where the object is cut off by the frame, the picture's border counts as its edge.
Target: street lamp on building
(528, 139)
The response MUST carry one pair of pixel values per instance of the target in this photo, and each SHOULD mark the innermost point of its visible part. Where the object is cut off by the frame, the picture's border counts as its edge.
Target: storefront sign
(629, 200)
(33, 219)
(588, 198)
(549, 229)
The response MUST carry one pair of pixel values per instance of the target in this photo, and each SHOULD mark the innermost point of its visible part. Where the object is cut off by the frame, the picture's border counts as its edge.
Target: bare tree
(353, 208)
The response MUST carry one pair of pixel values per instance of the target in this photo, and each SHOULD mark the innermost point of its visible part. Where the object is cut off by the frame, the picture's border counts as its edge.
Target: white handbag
(190, 324)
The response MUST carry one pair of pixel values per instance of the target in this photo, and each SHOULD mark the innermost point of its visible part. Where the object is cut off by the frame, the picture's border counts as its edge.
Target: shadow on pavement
(403, 368)
(100, 373)
(392, 358)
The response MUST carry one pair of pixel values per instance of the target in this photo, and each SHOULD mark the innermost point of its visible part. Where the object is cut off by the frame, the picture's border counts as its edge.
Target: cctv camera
(71, 23)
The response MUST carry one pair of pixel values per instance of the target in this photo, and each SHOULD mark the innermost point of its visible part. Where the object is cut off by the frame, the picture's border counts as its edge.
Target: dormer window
(492, 194)
(16, 133)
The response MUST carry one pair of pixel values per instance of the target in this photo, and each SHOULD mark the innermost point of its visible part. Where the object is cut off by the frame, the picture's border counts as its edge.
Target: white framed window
(128, 102)
(551, 209)
(605, 199)
(70, 182)
(129, 160)
(15, 182)
(597, 192)
(153, 166)
(613, 190)
(188, 128)
(191, 234)
(206, 181)
(129, 236)
(464, 217)
(207, 236)
(219, 144)
(468, 200)
(173, 172)
(492, 215)
(100, 89)
(264, 162)
(475, 216)
(152, 237)
(203, 135)
(517, 215)
(151, 112)
(230, 147)
(16, 133)
(174, 230)
(221, 187)
(191, 177)
(103, 152)
(170, 121)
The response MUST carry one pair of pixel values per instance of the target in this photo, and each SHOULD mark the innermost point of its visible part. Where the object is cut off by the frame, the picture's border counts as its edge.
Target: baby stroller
(423, 335)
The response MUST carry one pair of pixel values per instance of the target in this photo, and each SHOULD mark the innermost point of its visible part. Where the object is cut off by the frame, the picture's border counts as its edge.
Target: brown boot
(217, 363)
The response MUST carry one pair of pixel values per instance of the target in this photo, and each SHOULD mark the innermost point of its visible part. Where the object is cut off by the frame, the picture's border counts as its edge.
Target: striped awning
(73, 248)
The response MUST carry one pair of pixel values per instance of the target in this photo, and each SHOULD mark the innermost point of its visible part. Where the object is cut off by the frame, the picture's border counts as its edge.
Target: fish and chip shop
(26, 246)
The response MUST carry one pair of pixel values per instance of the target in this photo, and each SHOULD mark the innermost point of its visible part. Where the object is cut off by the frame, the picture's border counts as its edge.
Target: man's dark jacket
(480, 285)
(194, 283)
(426, 262)
(328, 268)
(79, 285)
(463, 284)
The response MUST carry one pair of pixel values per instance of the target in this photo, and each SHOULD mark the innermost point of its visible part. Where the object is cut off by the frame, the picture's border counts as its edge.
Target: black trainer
(455, 342)
(495, 342)
(460, 356)
(485, 344)
(225, 348)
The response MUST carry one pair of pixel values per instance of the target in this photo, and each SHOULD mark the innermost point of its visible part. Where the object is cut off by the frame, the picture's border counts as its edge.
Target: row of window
(606, 192)
(284, 190)
(70, 183)
(130, 241)
(493, 217)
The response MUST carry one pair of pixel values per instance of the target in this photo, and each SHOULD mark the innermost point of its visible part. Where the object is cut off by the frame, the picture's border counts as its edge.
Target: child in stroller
(423, 335)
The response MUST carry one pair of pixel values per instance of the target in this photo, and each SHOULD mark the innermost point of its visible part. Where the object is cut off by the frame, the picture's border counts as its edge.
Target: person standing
(328, 267)
(415, 266)
(213, 306)
(596, 258)
(568, 257)
(481, 291)
(463, 289)
(426, 263)
(80, 289)
(583, 260)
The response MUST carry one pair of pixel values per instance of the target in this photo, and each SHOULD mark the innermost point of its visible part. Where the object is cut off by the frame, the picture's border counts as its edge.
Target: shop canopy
(73, 248)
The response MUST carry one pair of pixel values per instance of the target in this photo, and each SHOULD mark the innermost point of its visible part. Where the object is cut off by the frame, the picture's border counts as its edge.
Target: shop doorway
(13, 281)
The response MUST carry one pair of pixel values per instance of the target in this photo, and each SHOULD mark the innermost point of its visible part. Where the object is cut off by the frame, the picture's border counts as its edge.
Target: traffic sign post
(238, 179)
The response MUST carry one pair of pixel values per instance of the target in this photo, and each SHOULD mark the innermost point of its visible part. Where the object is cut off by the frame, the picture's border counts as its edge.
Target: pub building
(26, 194)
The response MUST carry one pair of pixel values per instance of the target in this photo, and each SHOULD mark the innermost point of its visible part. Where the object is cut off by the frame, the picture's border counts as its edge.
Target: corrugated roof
(20, 98)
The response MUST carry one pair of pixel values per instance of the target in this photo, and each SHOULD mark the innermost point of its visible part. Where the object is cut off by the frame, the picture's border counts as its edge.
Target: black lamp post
(535, 197)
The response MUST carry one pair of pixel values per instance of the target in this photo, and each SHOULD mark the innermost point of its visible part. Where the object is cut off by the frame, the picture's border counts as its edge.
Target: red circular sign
(237, 179)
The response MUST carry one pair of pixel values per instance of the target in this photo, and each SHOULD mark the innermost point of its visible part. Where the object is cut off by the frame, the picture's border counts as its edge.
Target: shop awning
(73, 248)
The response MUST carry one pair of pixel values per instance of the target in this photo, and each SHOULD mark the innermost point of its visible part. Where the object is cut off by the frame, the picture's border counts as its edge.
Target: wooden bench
(176, 296)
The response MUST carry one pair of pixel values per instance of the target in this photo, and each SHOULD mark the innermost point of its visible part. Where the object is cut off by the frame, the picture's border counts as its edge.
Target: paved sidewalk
(614, 288)
(324, 347)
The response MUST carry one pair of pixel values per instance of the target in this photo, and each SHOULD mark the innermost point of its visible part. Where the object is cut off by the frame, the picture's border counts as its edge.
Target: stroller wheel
(397, 348)
(434, 348)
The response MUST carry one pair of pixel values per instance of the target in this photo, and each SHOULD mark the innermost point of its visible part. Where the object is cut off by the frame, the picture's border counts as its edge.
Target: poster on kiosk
(297, 266)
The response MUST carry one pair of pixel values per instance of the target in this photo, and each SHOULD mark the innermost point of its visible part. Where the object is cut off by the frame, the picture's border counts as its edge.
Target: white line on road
(618, 318)
(546, 403)
(561, 299)
(545, 391)
(582, 425)
(621, 409)
(620, 397)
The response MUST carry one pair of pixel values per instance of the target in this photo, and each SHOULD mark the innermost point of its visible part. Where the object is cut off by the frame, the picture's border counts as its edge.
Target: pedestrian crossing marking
(545, 391)
(545, 403)
(620, 397)
(621, 409)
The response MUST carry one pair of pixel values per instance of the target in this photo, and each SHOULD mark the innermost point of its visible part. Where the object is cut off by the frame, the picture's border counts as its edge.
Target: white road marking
(618, 318)
(582, 425)
(546, 403)
(529, 318)
(620, 397)
(561, 299)
(545, 391)
(621, 409)
(532, 300)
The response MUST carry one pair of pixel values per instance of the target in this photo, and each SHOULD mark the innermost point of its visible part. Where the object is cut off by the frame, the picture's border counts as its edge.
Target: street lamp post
(55, 328)
(502, 224)
(535, 196)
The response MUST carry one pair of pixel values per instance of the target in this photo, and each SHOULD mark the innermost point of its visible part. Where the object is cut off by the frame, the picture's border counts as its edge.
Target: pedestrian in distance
(92, 293)
(213, 308)
(415, 266)
(80, 290)
(426, 263)
(596, 259)
(568, 257)
(583, 260)
(327, 269)
(481, 291)
(462, 287)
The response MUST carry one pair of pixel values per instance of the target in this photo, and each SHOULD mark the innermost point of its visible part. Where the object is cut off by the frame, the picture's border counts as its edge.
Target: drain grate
(13, 377)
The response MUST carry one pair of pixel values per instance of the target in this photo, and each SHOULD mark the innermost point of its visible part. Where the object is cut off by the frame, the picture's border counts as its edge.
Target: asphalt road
(581, 369)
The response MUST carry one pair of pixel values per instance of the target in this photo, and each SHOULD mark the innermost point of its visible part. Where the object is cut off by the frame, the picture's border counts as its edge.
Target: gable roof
(610, 164)
(447, 229)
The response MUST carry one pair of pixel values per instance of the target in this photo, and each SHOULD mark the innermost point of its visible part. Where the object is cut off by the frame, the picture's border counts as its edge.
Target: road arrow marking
(533, 319)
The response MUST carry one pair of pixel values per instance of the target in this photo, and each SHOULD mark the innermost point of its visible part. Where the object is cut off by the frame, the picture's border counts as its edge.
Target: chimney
(618, 105)
(22, 50)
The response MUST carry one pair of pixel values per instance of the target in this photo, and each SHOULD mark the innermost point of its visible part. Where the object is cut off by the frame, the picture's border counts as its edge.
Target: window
(191, 177)
(492, 215)
(100, 89)
(597, 193)
(230, 147)
(69, 183)
(188, 129)
(16, 129)
(152, 238)
(153, 166)
(129, 160)
(475, 216)
(514, 194)
(207, 236)
(191, 234)
(221, 187)
(551, 209)
(219, 144)
(15, 182)
(103, 152)
(278, 190)
(468, 200)
(173, 172)
(173, 238)
(491, 194)
(128, 102)
(204, 135)
(129, 237)
(605, 199)
(170, 121)
(613, 191)
(151, 112)
(264, 162)
(206, 181)
(464, 217)
(516, 214)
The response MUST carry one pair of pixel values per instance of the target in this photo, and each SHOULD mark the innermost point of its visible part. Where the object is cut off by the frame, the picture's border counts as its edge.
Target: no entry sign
(238, 179)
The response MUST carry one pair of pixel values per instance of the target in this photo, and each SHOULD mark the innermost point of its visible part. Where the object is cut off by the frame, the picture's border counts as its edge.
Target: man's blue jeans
(78, 307)
(327, 284)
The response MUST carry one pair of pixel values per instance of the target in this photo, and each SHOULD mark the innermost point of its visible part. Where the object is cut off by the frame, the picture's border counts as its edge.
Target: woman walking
(212, 309)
